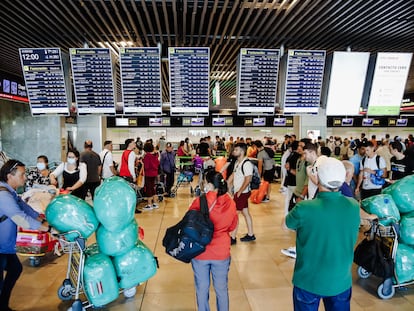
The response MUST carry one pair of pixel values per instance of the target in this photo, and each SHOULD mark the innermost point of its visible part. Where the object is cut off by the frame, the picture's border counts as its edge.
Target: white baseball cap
(331, 172)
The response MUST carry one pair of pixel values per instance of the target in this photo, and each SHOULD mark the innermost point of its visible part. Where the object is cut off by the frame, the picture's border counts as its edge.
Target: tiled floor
(260, 276)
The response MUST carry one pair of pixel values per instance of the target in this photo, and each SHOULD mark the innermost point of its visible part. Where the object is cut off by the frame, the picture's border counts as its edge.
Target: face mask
(41, 166)
(71, 160)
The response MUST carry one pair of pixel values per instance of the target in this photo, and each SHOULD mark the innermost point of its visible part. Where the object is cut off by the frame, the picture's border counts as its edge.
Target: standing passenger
(94, 166)
(324, 240)
(13, 212)
(215, 261)
(108, 169)
(167, 164)
(127, 165)
(240, 180)
(151, 166)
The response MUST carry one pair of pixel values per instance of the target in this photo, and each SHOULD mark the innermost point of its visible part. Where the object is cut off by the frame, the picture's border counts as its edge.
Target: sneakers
(248, 238)
(290, 252)
(147, 208)
(282, 189)
(265, 200)
(233, 241)
(155, 206)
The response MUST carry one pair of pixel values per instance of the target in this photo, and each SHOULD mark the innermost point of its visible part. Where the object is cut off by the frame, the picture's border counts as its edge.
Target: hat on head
(331, 172)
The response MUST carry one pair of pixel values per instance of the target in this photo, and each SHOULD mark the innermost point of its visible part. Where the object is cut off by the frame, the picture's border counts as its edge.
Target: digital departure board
(92, 79)
(304, 78)
(388, 83)
(141, 80)
(45, 80)
(189, 80)
(257, 81)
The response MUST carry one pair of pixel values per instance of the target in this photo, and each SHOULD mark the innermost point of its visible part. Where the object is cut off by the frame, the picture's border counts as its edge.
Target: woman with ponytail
(215, 260)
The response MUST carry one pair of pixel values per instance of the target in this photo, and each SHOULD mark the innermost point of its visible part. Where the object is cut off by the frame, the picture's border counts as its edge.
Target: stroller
(185, 177)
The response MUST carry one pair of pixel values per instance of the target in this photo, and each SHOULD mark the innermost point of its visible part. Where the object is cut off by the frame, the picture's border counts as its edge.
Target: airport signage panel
(93, 81)
(388, 83)
(45, 81)
(141, 80)
(346, 83)
(257, 81)
(189, 80)
(304, 78)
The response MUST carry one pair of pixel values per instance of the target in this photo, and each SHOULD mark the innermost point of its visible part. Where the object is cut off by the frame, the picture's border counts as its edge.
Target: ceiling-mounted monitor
(346, 83)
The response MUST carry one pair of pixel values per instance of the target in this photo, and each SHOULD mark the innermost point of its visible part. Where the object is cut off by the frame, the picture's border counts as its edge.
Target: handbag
(188, 238)
(370, 256)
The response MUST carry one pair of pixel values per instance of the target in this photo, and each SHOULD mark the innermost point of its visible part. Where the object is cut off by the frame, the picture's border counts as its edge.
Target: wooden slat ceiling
(223, 25)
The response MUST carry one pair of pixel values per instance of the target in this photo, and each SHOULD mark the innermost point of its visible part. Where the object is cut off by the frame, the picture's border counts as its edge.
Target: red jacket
(151, 164)
(224, 217)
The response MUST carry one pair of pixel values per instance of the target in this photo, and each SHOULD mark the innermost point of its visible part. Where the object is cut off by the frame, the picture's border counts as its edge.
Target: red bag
(257, 195)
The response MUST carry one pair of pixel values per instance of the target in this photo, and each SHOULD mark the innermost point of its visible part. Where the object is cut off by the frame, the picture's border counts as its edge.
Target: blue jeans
(219, 270)
(306, 301)
(11, 264)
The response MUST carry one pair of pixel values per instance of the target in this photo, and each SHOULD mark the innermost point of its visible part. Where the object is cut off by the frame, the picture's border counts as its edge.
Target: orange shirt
(224, 217)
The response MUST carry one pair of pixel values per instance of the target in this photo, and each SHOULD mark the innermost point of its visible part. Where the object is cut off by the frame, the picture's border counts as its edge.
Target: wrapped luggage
(383, 206)
(115, 243)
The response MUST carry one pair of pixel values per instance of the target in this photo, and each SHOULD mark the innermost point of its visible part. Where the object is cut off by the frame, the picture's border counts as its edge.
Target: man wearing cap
(326, 233)
(167, 164)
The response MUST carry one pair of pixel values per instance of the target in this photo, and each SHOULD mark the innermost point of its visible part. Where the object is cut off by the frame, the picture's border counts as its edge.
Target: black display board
(257, 81)
(45, 81)
(189, 80)
(93, 81)
(141, 80)
(304, 78)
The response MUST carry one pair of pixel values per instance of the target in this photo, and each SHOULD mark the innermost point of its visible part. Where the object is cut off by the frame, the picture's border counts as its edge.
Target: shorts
(242, 201)
(269, 175)
(150, 186)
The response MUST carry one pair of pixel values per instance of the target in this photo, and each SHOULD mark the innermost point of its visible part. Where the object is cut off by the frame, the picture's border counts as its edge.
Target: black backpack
(377, 159)
(189, 237)
(255, 182)
(269, 152)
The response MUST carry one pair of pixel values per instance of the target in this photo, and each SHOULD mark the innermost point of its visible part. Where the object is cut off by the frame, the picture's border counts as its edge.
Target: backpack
(189, 237)
(377, 159)
(269, 152)
(255, 182)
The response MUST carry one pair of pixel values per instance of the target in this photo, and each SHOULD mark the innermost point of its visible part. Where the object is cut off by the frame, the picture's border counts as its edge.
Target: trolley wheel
(64, 293)
(34, 261)
(130, 292)
(160, 198)
(381, 293)
(362, 273)
(172, 195)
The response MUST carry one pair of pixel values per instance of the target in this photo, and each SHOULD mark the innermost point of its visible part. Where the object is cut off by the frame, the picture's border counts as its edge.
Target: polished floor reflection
(260, 276)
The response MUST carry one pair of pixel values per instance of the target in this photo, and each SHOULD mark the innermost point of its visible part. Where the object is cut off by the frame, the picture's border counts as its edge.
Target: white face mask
(71, 160)
(41, 166)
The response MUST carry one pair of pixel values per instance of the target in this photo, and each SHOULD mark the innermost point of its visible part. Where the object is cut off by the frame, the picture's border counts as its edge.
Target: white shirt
(372, 164)
(238, 174)
(83, 172)
(106, 163)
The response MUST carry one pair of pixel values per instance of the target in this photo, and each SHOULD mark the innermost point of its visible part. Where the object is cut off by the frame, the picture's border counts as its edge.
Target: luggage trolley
(388, 236)
(72, 286)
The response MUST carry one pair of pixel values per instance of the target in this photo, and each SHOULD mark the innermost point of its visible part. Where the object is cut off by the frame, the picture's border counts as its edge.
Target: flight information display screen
(304, 78)
(189, 80)
(257, 81)
(45, 81)
(141, 80)
(92, 79)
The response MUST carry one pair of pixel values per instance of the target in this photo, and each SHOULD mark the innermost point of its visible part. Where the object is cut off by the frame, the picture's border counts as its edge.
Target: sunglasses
(13, 167)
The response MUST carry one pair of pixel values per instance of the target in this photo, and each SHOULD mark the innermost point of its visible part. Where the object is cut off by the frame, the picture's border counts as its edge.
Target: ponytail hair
(218, 181)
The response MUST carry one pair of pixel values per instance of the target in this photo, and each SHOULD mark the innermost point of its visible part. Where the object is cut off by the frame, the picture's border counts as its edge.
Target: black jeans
(91, 186)
(11, 264)
(169, 181)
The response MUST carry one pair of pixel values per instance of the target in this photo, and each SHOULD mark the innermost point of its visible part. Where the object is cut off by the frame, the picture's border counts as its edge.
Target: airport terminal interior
(99, 70)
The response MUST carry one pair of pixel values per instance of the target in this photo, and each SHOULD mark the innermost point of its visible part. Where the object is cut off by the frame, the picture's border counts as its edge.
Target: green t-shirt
(301, 176)
(326, 233)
